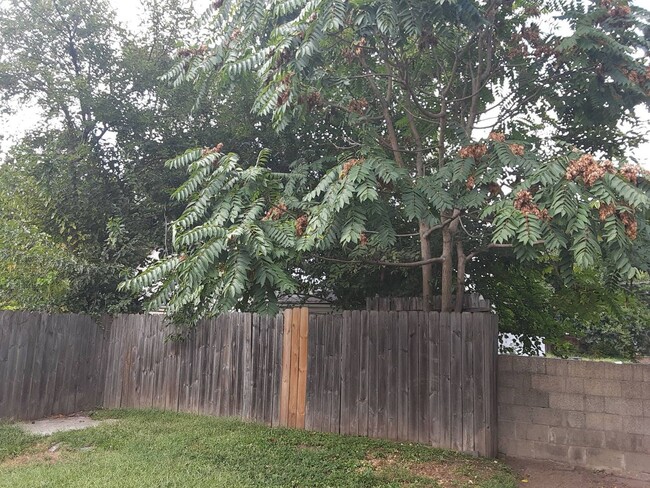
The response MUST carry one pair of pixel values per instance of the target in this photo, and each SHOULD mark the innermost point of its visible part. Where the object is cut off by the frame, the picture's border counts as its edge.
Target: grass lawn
(160, 449)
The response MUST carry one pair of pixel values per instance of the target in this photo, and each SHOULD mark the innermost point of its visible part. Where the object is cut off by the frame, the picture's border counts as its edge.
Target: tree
(35, 271)
(94, 162)
(404, 89)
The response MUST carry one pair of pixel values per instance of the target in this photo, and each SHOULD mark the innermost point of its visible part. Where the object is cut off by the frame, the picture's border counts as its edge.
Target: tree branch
(412, 264)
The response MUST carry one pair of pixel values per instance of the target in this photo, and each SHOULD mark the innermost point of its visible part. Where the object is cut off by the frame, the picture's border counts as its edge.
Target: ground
(545, 474)
(154, 449)
(162, 449)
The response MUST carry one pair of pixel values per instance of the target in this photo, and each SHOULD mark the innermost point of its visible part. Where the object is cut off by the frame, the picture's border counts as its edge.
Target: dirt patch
(454, 472)
(546, 474)
(446, 473)
(40, 454)
(60, 423)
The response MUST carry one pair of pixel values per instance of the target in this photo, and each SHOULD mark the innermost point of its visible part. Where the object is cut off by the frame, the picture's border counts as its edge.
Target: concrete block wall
(584, 413)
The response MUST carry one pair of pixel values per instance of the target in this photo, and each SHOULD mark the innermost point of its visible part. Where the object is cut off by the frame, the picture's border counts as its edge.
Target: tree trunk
(460, 276)
(447, 278)
(447, 270)
(427, 269)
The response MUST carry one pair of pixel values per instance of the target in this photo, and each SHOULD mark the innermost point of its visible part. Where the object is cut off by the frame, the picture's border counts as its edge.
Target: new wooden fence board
(302, 367)
(286, 368)
(293, 371)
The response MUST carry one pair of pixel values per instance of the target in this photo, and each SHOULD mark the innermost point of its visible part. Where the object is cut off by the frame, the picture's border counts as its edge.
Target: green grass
(161, 449)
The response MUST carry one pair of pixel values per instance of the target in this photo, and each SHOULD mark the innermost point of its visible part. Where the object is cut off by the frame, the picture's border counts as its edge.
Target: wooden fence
(229, 366)
(411, 376)
(50, 364)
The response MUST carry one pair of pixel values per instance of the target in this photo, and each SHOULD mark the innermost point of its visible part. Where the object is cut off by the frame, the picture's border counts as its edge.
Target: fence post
(293, 391)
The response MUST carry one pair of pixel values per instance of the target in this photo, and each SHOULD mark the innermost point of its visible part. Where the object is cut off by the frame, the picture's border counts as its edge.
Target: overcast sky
(128, 13)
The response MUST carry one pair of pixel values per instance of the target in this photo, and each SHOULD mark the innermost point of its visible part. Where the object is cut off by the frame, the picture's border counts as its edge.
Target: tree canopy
(428, 134)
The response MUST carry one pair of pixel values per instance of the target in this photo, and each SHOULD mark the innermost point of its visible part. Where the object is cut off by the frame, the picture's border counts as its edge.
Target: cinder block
(635, 372)
(624, 406)
(603, 387)
(646, 408)
(645, 390)
(534, 432)
(575, 420)
(636, 425)
(557, 367)
(637, 463)
(505, 395)
(609, 371)
(507, 429)
(645, 368)
(604, 458)
(506, 378)
(521, 382)
(594, 403)
(532, 398)
(586, 438)
(504, 363)
(575, 385)
(604, 421)
(547, 416)
(517, 448)
(646, 443)
(566, 401)
(529, 364)
(632, 389)
(579, 369)
(558, 435)
(555, 452)
(548, 383)
(518, 413)
(577, 455)
(625, 442)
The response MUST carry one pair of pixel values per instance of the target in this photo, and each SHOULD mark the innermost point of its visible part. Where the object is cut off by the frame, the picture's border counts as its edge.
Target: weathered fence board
(49, 365)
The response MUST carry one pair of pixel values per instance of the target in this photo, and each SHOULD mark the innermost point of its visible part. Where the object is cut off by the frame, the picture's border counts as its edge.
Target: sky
(128, 13)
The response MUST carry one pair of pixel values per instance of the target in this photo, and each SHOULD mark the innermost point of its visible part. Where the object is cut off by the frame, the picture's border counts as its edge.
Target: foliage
(95, 159)
(153, 448)
(35, 270)
(401, 89)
